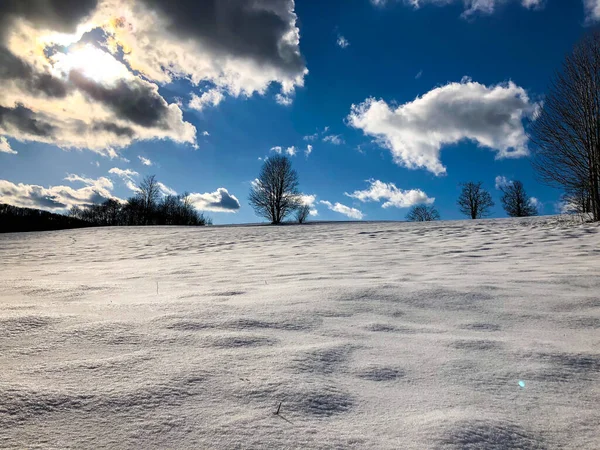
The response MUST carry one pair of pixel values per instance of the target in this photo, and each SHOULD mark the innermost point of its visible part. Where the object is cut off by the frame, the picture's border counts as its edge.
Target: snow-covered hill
(478, 334)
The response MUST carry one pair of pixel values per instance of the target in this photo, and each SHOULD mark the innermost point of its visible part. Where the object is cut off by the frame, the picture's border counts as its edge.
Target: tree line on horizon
(147, 207)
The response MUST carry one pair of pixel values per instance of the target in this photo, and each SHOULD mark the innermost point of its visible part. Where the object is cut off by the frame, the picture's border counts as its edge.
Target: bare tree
(515, 201)
(423, 213)
(302, 213)
(274, 195)
(566, 132)
(474, 201)
(149, 191)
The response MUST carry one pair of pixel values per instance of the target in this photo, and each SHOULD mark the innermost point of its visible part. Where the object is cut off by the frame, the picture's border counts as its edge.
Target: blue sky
(451, 86)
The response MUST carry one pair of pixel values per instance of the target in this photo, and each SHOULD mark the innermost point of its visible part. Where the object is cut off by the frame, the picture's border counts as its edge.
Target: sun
(93, 63)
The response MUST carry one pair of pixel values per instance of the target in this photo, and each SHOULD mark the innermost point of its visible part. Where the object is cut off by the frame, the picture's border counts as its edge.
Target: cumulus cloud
(342, 42)
(240, 47)
(5, 146)
(502, 181)
(308, 151)
(145, 161)
(398, 198)
(352, 213)
(209, 98)
(60, 91)
(416, 131)
(71, 110)
(219, 201)
(472, 7)
(205, 133)
(56, 198)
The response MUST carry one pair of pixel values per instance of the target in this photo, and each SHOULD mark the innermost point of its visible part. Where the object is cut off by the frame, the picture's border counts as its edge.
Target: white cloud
(205, 133)
(310, 200)
(342, 42)
(87, 98)
(209, 98)
(308, 151)
(219, 201)
(532, 4)
(536, 203)
(127, 175)
(84, 98)
(416, 131)
(101, 183)
(311, 137)
(203, 42)
(56, 198)
(291, 151)
(165, 190)
(284, 100)
(145, 161)
(334, 139)
(592, 10)
(5, 146)
(472, 7)
(395, 197)
(502, 181)
(352, 213)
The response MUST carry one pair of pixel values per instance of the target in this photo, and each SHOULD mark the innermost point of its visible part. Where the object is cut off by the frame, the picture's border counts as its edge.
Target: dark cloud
(226, 202)
(249, 28)
(45, 201)
(24, 120)
(14, 68)
(133, 100)
(57, 15)
(114, 129)
(219, 201)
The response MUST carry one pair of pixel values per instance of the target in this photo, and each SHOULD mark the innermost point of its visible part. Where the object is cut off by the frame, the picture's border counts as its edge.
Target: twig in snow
(276, 413)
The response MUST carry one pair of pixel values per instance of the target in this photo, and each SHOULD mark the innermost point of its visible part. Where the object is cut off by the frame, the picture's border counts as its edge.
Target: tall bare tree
(149, 194)
(474, 201)
(422, 213)
(566, 133)
(274, 195)
(149, 191)
(515, 201)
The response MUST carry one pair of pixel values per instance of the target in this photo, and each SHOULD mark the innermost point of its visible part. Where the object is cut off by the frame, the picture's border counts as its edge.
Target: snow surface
(373, 335)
